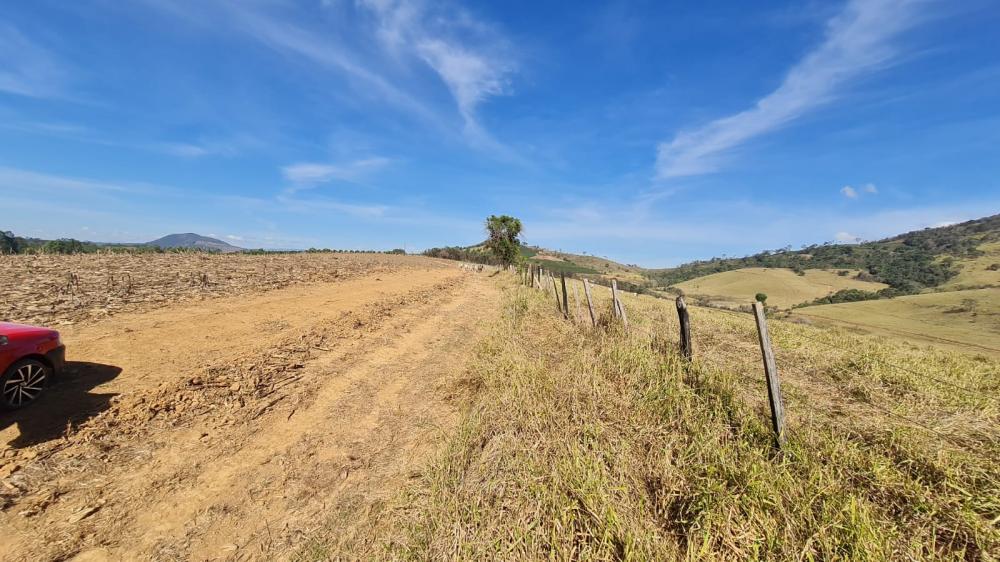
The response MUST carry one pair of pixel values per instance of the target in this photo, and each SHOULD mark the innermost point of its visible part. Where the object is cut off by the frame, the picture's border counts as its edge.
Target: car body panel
(18, 341)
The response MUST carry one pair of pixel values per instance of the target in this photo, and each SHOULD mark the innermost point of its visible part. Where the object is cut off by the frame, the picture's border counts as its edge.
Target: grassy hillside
(977, 271)
(591, 266)
(582, 444)
(599, 269)
(963, 320)
(783, 287)
(908, 262)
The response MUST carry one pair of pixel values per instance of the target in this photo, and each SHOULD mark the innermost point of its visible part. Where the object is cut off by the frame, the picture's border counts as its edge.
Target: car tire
(23, 383)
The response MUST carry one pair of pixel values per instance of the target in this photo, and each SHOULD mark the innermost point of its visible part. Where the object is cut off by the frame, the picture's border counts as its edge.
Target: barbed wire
(893, 365)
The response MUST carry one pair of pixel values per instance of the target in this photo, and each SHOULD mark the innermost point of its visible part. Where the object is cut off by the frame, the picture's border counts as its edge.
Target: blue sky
(649, 132)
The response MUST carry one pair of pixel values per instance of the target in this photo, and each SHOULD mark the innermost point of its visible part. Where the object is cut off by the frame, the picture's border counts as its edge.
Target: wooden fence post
(685, 321)
(771, 373)
(590, 302)
(617, 303)
(576, 301)
(614, 298)
(555, 291)
(565, 295)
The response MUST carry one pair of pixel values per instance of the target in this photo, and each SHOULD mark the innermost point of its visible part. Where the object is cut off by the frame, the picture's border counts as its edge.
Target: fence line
(771, 382)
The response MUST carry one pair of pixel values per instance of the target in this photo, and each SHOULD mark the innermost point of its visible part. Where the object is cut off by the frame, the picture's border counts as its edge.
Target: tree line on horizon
(12, 244)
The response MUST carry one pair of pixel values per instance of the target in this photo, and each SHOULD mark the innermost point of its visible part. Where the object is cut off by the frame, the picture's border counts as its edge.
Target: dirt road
(238, 428)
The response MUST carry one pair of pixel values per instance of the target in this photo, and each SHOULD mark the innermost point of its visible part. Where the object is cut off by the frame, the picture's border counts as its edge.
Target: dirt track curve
(238, 428)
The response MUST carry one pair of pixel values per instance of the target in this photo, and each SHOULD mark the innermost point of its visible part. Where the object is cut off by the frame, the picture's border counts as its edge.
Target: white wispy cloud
(28, 69)
(467, 55)
(852, 192)
(474, 68)
(31, 181)
(365, 211)
(858, 41)
(194, 150)
(846, 237)
(313, 173)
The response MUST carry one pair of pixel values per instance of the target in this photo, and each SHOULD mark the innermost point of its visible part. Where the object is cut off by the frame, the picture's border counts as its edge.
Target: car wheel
(23, 383)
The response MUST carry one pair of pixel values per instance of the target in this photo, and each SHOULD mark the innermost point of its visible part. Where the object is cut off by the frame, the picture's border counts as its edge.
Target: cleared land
(235, 427)
(967, 321)
(783, 287)
(63, 290)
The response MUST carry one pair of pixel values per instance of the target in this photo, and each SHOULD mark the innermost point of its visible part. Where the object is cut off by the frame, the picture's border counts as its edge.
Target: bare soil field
(63, 290)
(232, 419)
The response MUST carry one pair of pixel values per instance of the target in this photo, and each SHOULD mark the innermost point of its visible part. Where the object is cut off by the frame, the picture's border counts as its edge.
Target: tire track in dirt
(245, 475)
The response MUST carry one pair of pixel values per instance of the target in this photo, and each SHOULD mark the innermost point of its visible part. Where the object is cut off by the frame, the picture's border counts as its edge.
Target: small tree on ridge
(503, 242)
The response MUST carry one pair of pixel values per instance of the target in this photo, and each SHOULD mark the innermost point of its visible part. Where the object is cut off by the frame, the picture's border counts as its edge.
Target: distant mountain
(195, 241)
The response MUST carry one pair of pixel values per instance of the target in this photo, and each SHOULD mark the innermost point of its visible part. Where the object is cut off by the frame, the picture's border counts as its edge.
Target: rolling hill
(783, 287)
(966, 321)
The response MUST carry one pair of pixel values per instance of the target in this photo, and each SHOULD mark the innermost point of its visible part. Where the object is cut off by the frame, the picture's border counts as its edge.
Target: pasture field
(783, 287)
(967, 320)
(602, 444)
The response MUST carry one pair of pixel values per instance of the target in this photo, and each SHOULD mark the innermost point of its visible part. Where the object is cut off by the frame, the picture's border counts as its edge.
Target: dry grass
(61, 290)
(977, 272)
(601, 444)
(783, 287)
(966, 321)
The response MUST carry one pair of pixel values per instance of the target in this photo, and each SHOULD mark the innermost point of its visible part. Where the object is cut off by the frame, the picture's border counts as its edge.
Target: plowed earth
(234, 428)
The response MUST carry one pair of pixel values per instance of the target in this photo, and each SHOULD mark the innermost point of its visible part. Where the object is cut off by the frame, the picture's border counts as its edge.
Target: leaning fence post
(617, 303)
(565, 295)
(685, 321)
(771, 373)
(590, 302)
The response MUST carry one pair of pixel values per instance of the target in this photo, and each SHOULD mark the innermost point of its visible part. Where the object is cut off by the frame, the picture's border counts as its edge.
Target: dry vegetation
(783, 287)
(966, 321)
(979, 271)
(601, 444)
(61, 290)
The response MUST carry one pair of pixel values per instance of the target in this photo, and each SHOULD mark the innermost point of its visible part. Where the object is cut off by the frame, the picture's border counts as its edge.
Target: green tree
(63, 246)
(503, 242)
(8, 243)
(761, 298)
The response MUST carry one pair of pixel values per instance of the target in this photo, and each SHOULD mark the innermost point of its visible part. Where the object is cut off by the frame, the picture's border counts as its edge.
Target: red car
(29, 358)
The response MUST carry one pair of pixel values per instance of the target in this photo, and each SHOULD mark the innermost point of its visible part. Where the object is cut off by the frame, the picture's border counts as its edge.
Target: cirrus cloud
(858, 41)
